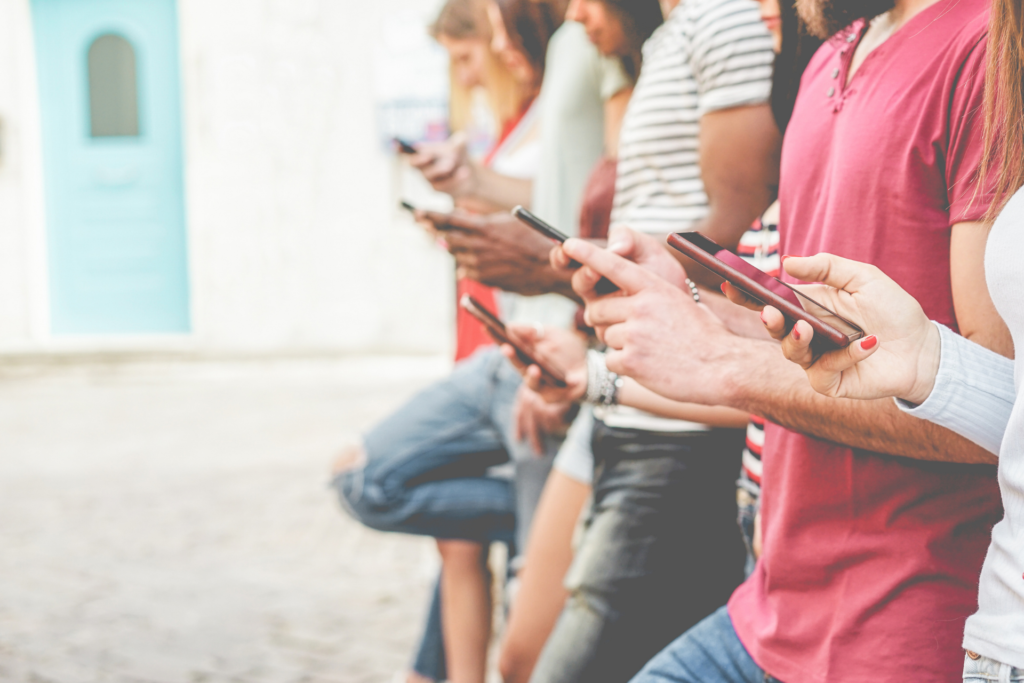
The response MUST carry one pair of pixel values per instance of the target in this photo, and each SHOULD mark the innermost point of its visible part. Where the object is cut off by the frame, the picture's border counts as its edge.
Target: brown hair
(530, 25)
(1004, 104)
(467, 20)
(639, 19)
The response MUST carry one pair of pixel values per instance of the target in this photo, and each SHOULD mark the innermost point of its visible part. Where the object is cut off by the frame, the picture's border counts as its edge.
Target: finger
(740, 298)
(774, 322)
(608, 311)
(528, 334)
(559, 260)
(513, 357)
(627, 275)
(834, 271)
(796, 346)
(534, 379)
(615, 336)
(826, 375)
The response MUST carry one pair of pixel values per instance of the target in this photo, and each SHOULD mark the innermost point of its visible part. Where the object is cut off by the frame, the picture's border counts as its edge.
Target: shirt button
(831, 92)
(835, 72)
(852, 37)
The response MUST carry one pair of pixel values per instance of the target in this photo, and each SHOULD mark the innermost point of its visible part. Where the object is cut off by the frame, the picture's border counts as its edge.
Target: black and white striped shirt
(709, 55)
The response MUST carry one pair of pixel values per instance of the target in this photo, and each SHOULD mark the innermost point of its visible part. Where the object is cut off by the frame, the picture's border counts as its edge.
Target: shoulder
(710, 17)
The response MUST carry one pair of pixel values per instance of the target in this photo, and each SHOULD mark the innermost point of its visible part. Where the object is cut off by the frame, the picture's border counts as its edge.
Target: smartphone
(603, 286)
(497, 329)
(831, 331)
(405, 147)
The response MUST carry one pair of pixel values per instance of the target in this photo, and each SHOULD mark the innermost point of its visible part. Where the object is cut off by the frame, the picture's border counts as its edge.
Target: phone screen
(775, 285)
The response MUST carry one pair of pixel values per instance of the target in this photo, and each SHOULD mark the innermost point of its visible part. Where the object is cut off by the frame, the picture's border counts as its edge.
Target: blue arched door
(110, 105)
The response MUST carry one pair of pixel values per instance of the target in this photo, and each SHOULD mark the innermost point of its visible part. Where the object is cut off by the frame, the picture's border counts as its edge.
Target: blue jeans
(710, 652)
(430, 471)
(748, 504)
(986, 670)
(660, 551)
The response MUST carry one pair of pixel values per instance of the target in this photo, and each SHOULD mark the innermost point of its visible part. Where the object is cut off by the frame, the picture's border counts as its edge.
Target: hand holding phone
(405, 147)
(604, 285)
(496, 328)
(831, 331)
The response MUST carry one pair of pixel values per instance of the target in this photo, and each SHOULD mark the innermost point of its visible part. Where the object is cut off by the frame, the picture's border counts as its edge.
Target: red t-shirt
(871, 562)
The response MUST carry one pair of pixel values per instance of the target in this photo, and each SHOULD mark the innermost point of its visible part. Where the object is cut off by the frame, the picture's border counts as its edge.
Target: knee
(351, 481)
(458, 553)
(516, 662)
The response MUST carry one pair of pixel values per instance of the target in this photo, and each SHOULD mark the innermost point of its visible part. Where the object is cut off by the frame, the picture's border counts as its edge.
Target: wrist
(927, 366)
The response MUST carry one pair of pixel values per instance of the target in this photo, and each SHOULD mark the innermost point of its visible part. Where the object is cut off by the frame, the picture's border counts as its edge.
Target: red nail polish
(762, 318)
(796, 334)
(869, 343)
(722, 288)
(783, 259)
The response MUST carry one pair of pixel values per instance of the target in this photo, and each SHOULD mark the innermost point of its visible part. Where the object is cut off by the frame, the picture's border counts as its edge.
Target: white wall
(294, 239)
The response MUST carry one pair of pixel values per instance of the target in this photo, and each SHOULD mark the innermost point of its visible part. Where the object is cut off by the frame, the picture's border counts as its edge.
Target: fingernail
(796, 333)
(762, 316)
(784, 257)
(616, 246)
(869, 343)
(722, 287)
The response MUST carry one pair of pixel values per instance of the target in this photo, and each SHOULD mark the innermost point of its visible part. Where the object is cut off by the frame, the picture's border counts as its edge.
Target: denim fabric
(429, 661)
(659, 552)
(428, 464)
(430, 471)
(748, 504)
(986, 670)
(710, 652)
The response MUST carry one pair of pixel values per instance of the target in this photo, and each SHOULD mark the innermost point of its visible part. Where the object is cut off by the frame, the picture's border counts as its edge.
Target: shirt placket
(839, 90)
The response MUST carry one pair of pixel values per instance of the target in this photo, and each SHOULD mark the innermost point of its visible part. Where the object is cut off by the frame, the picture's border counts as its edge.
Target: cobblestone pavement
(171, 524)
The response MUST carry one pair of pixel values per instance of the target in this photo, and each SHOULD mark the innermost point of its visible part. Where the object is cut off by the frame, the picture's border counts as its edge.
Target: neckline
(860, 28)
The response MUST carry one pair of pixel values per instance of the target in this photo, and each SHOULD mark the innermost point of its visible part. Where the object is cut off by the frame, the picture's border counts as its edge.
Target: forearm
(759, 380)
(501, 191)
(634, 395)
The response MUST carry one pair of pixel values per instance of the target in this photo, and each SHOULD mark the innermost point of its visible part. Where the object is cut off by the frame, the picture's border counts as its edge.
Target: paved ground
(172, 525)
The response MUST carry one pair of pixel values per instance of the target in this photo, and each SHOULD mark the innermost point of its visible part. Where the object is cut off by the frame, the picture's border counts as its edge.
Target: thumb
(835, 271)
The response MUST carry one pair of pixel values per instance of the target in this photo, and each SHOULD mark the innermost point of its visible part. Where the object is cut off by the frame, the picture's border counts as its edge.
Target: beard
(825, 18)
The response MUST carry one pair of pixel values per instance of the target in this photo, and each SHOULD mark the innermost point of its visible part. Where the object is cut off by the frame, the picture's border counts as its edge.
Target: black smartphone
(405, 147)
(831, 331)
(603, 286)
(497, 329)
(539, 225)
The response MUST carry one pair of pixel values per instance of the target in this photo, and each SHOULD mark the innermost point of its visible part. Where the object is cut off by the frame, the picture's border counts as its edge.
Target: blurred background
(215, 177)
(206, 289)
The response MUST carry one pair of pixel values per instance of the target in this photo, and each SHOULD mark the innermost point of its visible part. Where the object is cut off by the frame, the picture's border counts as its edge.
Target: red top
(470, 333)
(871, 562)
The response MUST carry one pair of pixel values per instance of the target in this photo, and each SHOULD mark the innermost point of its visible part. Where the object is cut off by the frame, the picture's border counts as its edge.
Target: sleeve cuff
(974, 392)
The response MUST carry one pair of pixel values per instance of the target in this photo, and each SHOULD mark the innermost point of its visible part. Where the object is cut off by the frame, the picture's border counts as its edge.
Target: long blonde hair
(467, 20)
(1004, 104)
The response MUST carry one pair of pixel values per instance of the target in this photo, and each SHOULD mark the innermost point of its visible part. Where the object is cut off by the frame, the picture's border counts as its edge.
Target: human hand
(446, 165)
(657, 333)
(534, 417)
(563, 349)
(900, 358)
(499, 251)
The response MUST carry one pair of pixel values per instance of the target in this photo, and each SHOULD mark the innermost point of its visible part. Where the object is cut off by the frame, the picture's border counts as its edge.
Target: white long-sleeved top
(978, 395)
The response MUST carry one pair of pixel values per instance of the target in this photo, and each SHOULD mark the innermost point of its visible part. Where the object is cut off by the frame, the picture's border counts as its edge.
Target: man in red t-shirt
(875, 524)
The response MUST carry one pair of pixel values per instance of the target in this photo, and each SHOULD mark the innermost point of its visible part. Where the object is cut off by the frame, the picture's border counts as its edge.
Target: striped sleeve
(730, 54)
(974, 392)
